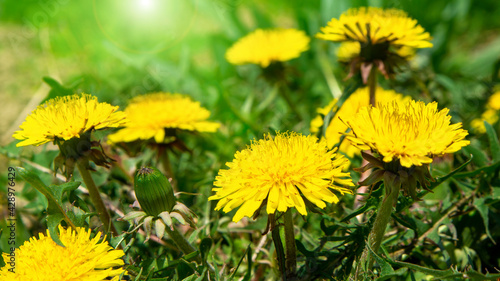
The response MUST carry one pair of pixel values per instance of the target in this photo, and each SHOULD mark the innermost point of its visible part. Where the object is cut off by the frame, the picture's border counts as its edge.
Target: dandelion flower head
(265, 46)
(349, 50)
(67, 117)
(357, 100)
(370, 25)
(282, 171)
(149, 115)
(411, 132)
(82, 258)
(490, 115)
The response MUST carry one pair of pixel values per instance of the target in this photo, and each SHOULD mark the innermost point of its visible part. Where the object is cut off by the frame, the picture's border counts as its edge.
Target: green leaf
(494, 142)
(302, 249)
(404, 204)
(480, 158)
(483, 210)
(428, 271)
(385, 267)
(57, 90)
(239, 263)
(205, 246)
(487, 170)
(55, 210)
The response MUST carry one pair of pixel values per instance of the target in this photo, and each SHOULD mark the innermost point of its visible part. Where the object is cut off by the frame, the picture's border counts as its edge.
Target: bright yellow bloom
(349, 50)
(67, 117)
(494, 101)
(149, 115)
(357, 100)
(413, 132)
(490, 115)
(371, 25)
(283, 171)
(82, 258)
(265, 46)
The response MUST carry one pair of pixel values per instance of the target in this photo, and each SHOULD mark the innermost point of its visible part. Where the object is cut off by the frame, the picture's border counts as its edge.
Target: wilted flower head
(410, 132)
(281, 172)
(263, 47)
(349, 108)
(81, 258)
(149, 116)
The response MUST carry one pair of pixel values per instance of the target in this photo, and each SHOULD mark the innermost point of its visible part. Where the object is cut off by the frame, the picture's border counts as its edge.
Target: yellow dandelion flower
(282, 171)
(149, 115)
(489, 115)
(411, 132)
(350, 107)
(265, 46)
(494, 101)
(349, 50)
(372, 25)
(64, 118)
(82, 258)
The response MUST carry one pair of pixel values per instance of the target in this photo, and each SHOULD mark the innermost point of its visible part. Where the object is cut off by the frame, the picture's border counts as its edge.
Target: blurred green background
(119, 48)
(116, 49)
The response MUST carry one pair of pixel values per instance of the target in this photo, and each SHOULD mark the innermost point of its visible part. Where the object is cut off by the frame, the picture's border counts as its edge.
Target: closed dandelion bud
(153, 191)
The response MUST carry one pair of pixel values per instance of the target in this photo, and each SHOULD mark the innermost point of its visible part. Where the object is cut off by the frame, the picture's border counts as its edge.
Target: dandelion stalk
(372, 84)
(291, 255)
(167, 167)
(82, 165)
(181, 242)
(384, 211)
(285, 94)
(278, 245)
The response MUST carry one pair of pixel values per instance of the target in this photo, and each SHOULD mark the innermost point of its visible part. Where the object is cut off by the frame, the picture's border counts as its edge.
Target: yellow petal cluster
(375, 25)
(357, 100)
(265, 46)
(281, 171)
(82, 258)
(149, 115)
(66, 118)
(350, 49)
(490, 115)
(411, 132)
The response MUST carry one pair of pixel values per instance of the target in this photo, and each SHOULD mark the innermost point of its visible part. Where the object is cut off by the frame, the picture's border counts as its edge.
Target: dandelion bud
(153, 191)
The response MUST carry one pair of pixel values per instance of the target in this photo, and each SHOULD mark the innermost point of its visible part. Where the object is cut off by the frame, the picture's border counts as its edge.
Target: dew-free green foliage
(119, 49)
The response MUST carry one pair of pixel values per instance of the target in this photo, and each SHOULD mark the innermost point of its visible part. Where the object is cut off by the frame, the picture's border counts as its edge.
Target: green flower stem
(372, 84)
(181, 242)
(82, 165)
(278, 245)
(165, 162)
(291, 255)
(383, 215)
(283, 90)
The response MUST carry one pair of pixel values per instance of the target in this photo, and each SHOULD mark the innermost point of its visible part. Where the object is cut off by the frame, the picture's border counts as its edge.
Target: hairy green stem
(278, 245)
(372, 84)
(95, 197)
(181, 242)
(291, 255)
(383, 216)
(167, 167)
(283, 90)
